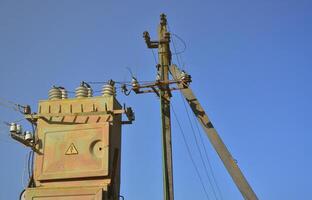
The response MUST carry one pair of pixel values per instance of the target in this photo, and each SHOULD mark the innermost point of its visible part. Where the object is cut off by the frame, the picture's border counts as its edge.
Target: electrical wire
(189, 152)
(201, 139)
(7, 106)
(207, 157)
(198, 148)
(10, 104)
(24, 169)
(7, 124)
(178, 54)
(116, 82)
(182, 41)
(155, 59)
(8, 101)
(29, 165)
(18, 108)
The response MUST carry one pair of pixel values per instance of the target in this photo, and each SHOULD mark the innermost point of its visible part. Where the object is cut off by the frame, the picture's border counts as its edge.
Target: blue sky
(251, 68)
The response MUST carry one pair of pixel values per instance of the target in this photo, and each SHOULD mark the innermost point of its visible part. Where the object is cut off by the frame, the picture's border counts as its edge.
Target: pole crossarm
(161, 85)
(215, 139)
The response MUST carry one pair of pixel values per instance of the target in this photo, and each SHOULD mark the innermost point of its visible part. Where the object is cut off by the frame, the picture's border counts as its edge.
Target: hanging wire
(178, 54)
(119, 83)
(18, 108)
(8, 101)
(19, 120)
(32, 153)
(7, 124)
(155, 59)
(207, 157)
(24, 169)
(213, 180)
(189, 153)
(12, 105)
(8, 106)
(205, 151)
(198, 149)
(182, 41)
(29, 164)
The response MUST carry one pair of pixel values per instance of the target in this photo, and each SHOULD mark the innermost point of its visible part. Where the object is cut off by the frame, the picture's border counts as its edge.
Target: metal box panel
(82, 151)
(87, 193)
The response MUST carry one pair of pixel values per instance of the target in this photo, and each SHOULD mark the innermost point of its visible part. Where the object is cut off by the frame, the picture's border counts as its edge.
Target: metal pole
(164, 56)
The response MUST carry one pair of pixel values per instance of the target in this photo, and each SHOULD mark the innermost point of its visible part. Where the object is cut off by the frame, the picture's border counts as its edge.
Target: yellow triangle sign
(71, 150)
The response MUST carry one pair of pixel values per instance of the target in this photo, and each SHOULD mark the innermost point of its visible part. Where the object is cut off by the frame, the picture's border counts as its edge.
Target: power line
(24, 169)
(198, 148)
(11, 105)
(182, 41)
(205, 151)
(8, 101)
(207, 158)
(190, 154)
(154, 56)
(7, 106)
(177, 54)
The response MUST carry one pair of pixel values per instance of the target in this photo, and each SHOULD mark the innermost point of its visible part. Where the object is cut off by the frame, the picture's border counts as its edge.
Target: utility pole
(164, 57)
(162, 88)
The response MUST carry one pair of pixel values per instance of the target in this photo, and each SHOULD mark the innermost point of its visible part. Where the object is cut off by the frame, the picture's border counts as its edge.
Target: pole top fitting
(146, 36)
(111, 82)
(163, 19)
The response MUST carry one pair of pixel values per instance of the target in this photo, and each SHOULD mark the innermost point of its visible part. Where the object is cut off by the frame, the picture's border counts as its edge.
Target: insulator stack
(28, 136)
(134, 82)
(64, 93)
(55, 93)
(90, 92)
(19, 129)
(81, 91)
(13, 128)
(109, 89)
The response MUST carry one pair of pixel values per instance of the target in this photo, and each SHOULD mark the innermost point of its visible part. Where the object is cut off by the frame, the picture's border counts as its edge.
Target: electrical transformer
(77, 145)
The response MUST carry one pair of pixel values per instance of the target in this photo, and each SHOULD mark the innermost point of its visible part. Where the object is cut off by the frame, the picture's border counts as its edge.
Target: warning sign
(71, 150)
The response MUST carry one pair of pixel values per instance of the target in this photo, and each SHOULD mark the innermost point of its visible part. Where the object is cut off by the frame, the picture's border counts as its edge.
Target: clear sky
(251, 68)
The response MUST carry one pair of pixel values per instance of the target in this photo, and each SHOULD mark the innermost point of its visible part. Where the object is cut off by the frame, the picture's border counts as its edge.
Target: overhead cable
(207, 157)
(198, 149)
(189, 153)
